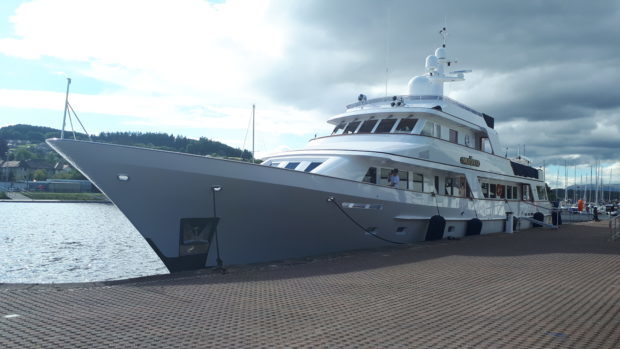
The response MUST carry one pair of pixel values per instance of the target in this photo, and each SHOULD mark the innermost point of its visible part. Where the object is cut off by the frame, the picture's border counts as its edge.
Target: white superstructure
(332, 195)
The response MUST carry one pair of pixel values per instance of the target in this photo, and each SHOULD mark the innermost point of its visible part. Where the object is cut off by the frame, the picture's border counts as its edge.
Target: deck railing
(614, 228)
(407, 98)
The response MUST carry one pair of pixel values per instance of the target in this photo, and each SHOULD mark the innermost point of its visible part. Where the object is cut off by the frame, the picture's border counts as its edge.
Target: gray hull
(265, 213)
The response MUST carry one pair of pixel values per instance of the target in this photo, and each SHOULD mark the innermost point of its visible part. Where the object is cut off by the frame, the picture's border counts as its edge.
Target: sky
(547, 71)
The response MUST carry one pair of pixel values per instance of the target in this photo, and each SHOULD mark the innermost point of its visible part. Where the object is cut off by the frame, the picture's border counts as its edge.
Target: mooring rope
(333, 200)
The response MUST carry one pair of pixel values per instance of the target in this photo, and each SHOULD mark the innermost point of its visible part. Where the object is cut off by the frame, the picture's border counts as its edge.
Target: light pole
(220, 263)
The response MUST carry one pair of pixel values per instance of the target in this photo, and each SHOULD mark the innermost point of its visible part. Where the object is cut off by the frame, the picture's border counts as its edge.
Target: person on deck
(393, 178)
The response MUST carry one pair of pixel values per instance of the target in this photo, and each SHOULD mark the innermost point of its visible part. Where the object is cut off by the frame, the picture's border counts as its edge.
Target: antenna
(64, 119)
(253, 128)
(387, 49)
(444, 34)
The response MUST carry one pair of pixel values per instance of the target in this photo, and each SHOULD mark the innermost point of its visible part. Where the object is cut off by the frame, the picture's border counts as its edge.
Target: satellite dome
(440, 53)
(420, 86)
(431, 63)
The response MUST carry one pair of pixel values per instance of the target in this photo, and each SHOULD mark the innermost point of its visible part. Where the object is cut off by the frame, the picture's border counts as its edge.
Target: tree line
(164, 141)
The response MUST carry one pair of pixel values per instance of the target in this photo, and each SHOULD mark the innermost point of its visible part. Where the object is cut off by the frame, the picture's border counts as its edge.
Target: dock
(537, 288)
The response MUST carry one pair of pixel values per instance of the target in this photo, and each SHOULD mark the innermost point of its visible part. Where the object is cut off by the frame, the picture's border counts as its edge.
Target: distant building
(11, 171)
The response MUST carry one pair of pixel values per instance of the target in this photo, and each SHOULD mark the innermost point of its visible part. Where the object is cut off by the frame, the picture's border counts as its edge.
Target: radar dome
(440, 53)
(420, 86)
(431, 63)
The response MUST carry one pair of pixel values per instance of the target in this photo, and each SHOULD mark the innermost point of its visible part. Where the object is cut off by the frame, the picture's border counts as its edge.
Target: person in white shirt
(393, 178)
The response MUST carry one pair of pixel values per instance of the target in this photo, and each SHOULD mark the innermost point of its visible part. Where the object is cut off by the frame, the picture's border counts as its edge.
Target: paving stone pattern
(535, 289)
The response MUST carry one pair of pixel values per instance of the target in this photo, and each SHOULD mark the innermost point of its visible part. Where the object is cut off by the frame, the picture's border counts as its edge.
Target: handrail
(614, 228)
(406, 98)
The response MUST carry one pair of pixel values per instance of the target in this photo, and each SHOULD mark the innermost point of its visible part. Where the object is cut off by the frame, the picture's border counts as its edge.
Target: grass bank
(66, 196)
(3, 196)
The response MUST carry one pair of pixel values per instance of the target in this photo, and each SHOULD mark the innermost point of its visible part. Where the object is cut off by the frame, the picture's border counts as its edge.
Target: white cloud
(181, 63)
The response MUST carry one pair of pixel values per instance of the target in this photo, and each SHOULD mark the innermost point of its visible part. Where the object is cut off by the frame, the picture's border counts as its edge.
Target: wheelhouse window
(367, 126)
(406, 125)
(385, 126)
(509, 192)
(351, 127)
(339, 128)
(291, 165)
(370, 176)
(312, 166)
(454, 136)
(542, 192)
(431, 129)
(492, 190)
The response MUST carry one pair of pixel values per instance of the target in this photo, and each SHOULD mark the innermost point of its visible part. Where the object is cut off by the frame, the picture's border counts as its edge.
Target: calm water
(66, 242)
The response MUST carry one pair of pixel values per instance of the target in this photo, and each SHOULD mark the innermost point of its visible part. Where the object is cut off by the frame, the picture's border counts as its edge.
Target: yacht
(337, 194)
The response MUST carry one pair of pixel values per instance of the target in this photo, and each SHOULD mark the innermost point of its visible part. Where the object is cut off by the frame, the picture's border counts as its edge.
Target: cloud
(545, 70)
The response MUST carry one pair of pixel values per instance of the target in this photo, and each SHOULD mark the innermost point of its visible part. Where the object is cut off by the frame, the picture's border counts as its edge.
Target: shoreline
(59, 201)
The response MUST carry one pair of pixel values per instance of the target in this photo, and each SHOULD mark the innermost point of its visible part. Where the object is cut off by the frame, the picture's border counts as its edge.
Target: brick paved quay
(535, 289)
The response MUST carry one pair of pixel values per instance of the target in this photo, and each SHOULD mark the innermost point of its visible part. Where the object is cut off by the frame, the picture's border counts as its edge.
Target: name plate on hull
(470, 161)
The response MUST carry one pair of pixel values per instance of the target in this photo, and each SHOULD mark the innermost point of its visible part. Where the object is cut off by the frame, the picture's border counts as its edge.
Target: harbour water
(71, 242)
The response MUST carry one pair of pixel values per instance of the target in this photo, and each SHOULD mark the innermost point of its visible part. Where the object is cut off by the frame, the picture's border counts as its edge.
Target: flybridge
(427, 87)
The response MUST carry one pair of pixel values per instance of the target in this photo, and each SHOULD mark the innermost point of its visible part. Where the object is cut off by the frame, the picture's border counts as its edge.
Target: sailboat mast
(64, 118)
(609, 196)
(253, 128)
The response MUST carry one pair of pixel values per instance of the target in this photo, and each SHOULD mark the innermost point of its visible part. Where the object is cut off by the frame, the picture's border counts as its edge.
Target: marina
(538, 288)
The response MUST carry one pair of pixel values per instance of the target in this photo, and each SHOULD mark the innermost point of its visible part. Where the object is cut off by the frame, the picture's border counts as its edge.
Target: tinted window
(367, 126)
(338, 129)
(371, 175)
(351, 127)
(292, 165)
(385, 126)
(454, 136)
(406, 125)
(312, 166)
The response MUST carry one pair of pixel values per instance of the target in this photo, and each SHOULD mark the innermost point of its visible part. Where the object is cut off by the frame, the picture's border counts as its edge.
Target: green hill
(202, 146)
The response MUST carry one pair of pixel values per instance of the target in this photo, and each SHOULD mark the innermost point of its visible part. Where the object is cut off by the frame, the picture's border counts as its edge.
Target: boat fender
(436, 226)
(539, 217)
(474, 227)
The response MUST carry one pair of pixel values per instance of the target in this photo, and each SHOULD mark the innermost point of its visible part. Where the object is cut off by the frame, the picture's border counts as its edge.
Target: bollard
(509, 222)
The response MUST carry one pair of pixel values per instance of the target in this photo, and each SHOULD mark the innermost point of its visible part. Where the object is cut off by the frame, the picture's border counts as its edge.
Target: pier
(538, 288)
